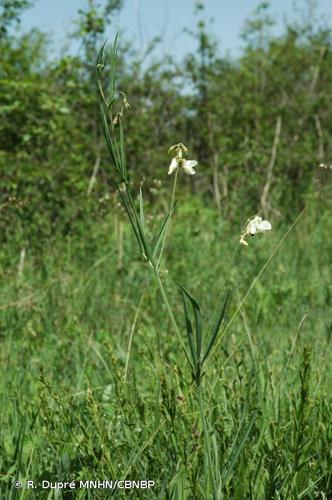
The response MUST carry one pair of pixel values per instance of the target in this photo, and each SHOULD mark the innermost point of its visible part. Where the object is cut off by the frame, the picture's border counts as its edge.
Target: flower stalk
(169, 218)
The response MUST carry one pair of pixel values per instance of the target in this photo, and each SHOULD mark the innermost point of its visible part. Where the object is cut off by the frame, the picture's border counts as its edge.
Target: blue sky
(141, 20)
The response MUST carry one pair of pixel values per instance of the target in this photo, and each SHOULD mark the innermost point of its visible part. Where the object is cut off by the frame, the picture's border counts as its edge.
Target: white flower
(179, 161)
(187, 165)
(173, 166)
(258, 225)
(254, 226)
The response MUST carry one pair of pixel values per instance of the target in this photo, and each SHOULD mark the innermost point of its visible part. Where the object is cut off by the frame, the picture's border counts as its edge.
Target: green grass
(70, 410)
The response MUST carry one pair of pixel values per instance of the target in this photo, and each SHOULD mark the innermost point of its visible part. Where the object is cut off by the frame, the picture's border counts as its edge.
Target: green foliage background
(72, 281)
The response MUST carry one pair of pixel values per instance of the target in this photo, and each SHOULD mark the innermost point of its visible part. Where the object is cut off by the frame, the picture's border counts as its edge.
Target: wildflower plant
(112, 109)
(151, 249)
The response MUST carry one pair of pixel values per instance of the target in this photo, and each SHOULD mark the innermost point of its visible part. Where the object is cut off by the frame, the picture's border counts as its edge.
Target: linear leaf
(140, 228)
(122, 152)
(141, 208)
(158, 239)
(132, 221)
(108, 138)
(216, 327)
(198, 320)
(113, 56)
(101, 57)
(189, 331)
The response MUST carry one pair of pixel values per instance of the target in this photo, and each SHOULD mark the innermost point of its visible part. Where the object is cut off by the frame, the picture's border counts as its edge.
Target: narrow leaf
(122, 152)
(141, 208)
(101, 58)
(198, 321)
(132, 221)
(108, 138)
(114, 54)
(216, 327)
(189, 331)
(161, 231)
(139, 227)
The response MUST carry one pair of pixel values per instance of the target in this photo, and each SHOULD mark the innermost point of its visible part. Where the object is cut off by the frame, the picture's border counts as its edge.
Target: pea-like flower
(179, 161)
(187, 165)
(254, 225)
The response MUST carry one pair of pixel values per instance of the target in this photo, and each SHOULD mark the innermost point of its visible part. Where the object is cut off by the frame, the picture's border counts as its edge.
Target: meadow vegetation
(94, 383)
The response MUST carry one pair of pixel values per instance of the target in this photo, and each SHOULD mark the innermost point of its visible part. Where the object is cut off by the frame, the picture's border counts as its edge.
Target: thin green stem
(206, 441)
(273, 253)
(271, 256)
(169, 218)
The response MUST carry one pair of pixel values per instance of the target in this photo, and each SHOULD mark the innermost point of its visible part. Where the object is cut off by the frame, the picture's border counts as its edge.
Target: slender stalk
(206, 441)
(155, 267)
(169, 218)
(267, 262)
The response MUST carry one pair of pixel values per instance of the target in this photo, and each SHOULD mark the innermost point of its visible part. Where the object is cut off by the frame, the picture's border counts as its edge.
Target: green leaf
(158, 239)
(189, 331)
(198, 321)
(108, 138)
(216, 327)
(140, 228)
(132, 220)
(113, 55)
(122, 152)
(135, 223)
(141, 208)
(101, 58)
